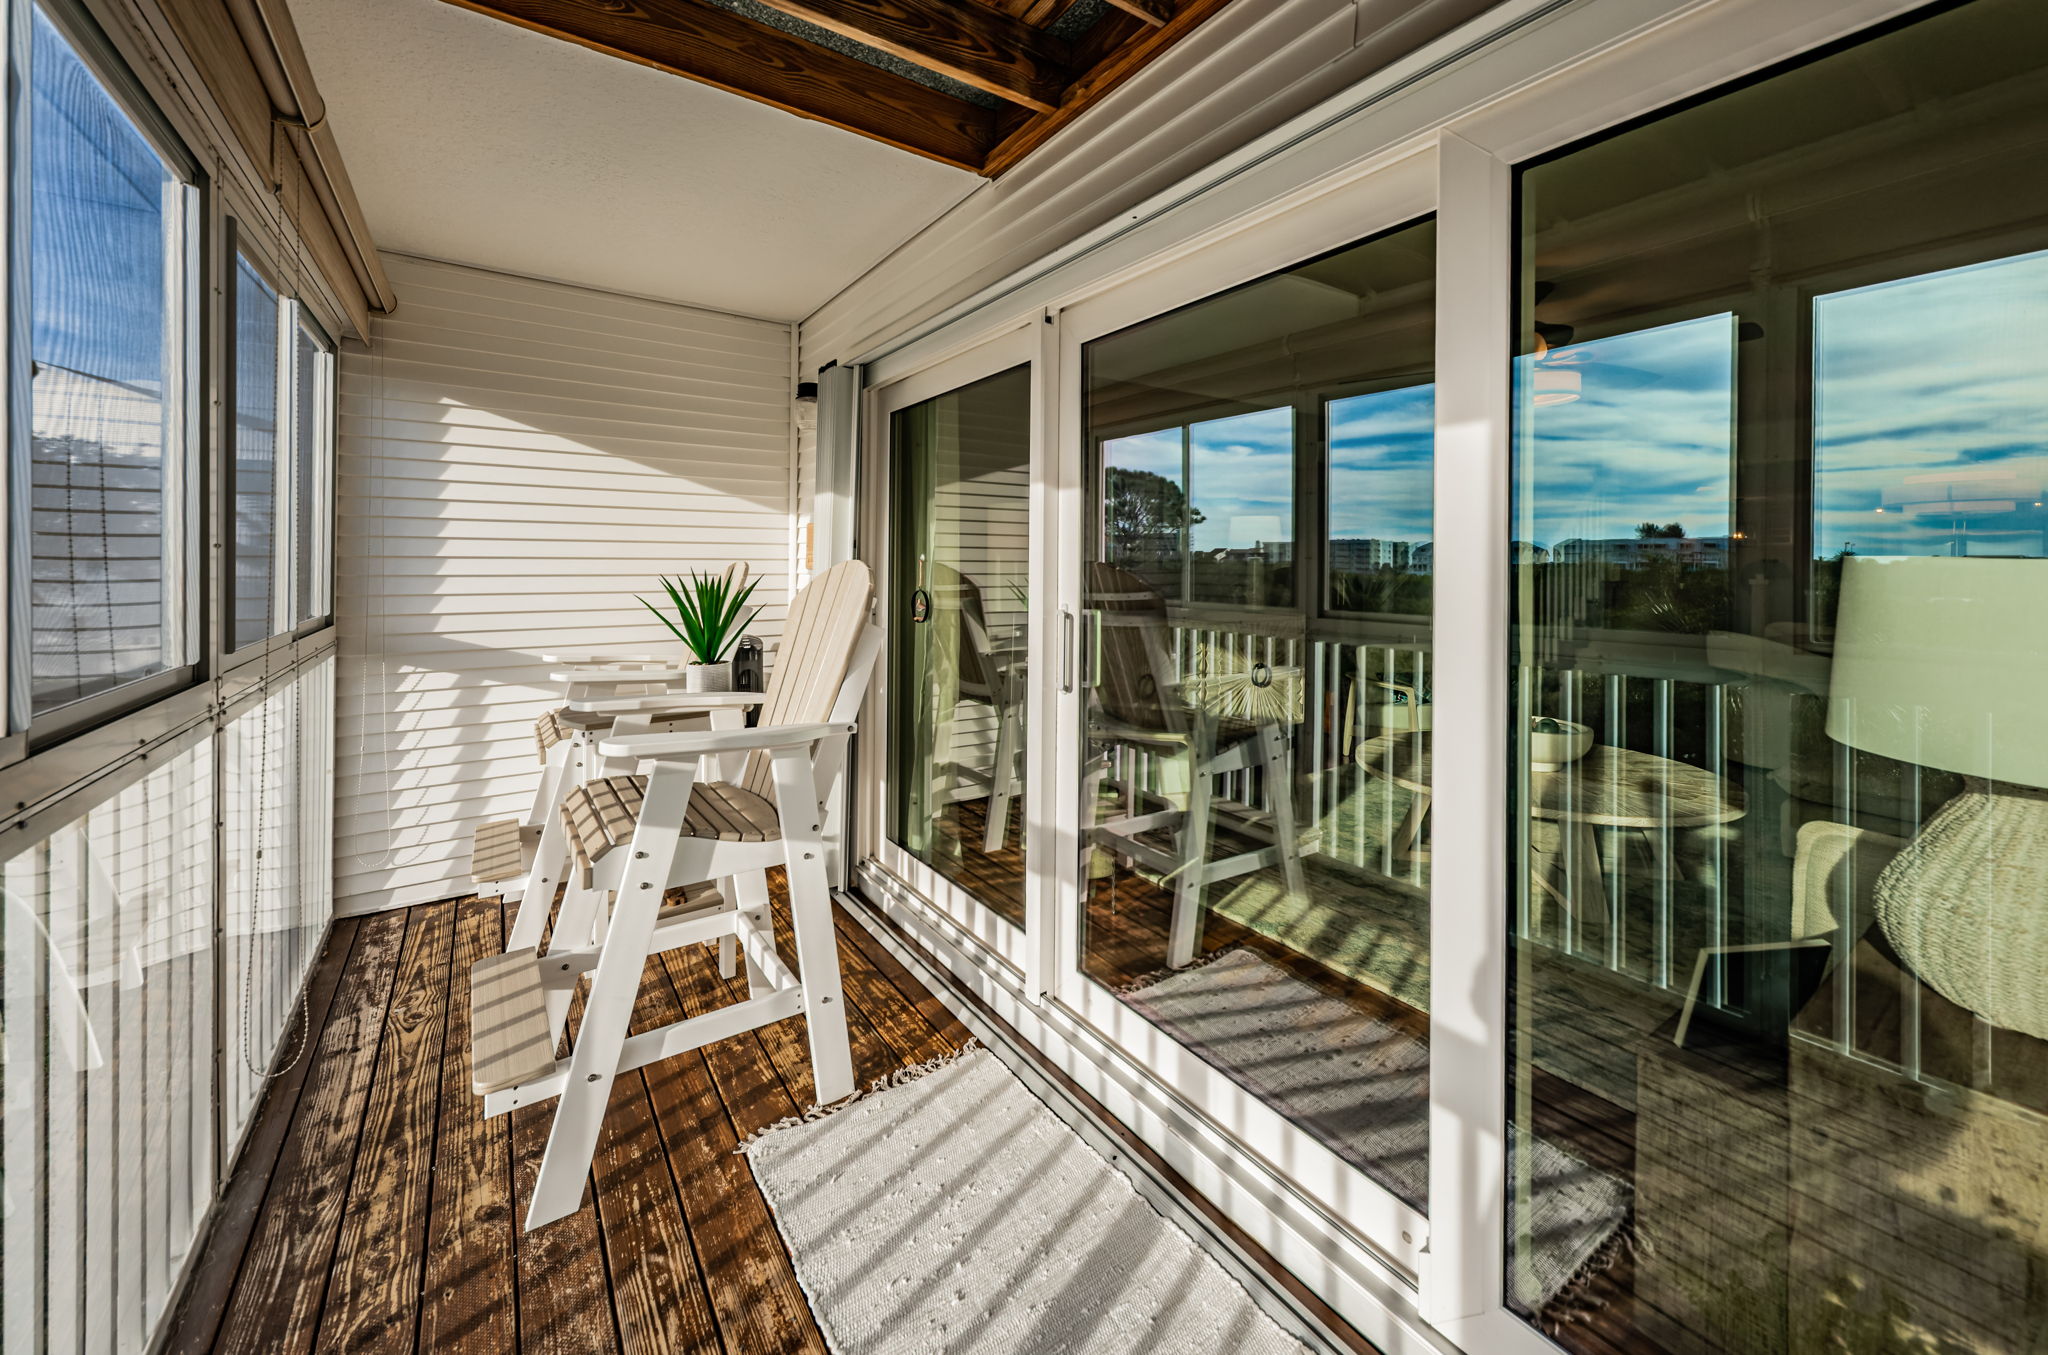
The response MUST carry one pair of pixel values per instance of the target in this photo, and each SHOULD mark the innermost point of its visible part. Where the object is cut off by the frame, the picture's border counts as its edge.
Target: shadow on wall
(517, 460)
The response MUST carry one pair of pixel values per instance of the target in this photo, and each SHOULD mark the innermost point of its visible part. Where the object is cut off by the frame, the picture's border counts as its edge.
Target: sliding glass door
(1253, 710)
(1779, 648)
(956, 583)
(1534, 771)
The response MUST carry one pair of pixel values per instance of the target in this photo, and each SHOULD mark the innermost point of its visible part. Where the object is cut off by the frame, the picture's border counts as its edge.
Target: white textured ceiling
(474, 141)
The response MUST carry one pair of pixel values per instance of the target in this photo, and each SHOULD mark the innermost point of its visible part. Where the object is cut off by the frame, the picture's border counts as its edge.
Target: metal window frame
(189, 609)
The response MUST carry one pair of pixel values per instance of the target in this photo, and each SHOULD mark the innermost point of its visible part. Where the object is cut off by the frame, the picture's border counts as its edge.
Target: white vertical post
(834, 494)
(1468, 912)
(1044, 844)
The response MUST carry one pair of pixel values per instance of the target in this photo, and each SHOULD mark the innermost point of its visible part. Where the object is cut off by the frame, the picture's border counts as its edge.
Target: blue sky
(1242, 473)
(1930, 387)
(1382, 456)
(1650, 438)
(96, 225)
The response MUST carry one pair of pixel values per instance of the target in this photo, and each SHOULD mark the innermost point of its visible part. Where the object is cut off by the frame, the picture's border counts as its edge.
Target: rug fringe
(1165, 972)
(900, 1077)
(1571, 1304)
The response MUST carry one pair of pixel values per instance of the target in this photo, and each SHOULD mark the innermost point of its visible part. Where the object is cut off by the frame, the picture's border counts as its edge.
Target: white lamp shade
(1943, 661)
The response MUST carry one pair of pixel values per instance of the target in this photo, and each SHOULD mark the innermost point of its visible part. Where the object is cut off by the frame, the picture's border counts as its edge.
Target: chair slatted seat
(499, 851)
(602, 814)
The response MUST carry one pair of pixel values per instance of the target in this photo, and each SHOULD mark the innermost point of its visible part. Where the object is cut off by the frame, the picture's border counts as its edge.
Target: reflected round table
(1612, 788)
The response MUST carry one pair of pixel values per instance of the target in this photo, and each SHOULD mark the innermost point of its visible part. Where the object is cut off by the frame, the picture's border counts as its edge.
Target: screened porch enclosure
(1024, 677)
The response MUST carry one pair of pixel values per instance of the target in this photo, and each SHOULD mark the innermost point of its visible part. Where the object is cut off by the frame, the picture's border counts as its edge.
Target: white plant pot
(707, 677)
(1555, 751)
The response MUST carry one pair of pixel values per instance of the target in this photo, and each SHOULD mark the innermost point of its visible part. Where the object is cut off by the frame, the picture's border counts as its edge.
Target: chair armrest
(682, 702)
(692, 744)
(1403, 688)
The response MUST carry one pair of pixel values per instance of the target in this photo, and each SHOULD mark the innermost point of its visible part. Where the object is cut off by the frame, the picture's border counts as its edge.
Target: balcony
(1024, 677)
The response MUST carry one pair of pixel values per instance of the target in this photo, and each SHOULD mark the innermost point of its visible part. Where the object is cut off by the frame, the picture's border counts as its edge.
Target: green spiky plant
(707, 612)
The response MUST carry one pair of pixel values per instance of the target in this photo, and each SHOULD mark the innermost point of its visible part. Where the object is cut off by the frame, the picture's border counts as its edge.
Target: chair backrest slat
(825, 620)
(1139, 685)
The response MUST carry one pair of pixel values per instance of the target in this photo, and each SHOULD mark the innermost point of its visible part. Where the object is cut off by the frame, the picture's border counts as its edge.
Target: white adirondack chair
(638, 836)
(517, 859)
(1140, 704)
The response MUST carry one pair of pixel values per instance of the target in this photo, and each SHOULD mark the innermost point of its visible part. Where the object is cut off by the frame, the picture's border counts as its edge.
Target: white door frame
(1015, 947)
(1393, 196)
(1448, 144)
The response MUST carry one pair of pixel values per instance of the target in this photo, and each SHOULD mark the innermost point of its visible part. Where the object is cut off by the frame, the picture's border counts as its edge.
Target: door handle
(1066, 650)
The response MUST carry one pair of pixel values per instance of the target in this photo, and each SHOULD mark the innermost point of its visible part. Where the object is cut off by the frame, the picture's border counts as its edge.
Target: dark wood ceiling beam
(976, 46)
(1037, 13)
(1134, 50)
(716, 47)
(1154, 12)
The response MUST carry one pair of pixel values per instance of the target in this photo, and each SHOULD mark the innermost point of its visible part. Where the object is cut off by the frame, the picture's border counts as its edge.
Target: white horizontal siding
(517, 460)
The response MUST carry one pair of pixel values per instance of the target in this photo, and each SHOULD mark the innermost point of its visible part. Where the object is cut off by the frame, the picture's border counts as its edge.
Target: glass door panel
(1779, 1066)
(1255, 790)
(959, 553)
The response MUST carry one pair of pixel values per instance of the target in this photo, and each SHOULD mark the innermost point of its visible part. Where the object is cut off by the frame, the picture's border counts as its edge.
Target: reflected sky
(1241, 478)
(96, 225)
(1158, 453)
(1650, 437)
(1382, 454)
(1931, 404)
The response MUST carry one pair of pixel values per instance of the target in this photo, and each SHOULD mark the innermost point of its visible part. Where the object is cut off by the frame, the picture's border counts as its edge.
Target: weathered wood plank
(205, 1301)
(373, 1289)
(715, 47)
(657, 1290)
(1119, 66)
(466, 1306)
(564, 1298)
(754, 1291)
(978, 47)
(283, 1279)
(1153, 12)
(747, 1082)
(936, 1014)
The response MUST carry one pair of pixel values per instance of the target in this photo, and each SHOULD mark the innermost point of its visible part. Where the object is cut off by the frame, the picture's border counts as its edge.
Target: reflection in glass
(312, 439)
(960, 469)
(1780, 1078)
(255, 470)
(103, 518)
(1256, 763)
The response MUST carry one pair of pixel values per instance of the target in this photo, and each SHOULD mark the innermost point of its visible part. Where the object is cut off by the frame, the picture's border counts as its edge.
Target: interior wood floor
(374, 1209)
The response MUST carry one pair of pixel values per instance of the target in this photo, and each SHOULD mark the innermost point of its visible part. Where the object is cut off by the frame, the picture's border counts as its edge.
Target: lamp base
(1966, 904)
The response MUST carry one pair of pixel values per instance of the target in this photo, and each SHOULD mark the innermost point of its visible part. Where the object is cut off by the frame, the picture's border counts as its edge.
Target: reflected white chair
(1141, 705)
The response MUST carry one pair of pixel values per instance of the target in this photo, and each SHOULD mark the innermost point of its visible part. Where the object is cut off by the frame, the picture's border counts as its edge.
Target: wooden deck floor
(375, 1210)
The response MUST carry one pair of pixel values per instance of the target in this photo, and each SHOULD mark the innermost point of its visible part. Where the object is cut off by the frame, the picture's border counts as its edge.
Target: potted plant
(707, 619)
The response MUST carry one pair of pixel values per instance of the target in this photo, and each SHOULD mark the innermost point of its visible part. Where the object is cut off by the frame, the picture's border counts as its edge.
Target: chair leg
(728, 945)
(614, 989)
(551, 861)
(810, 905)
(1184, 932)
(749, 896)
(1003, 783)
(1277, 754)
(549, 793)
